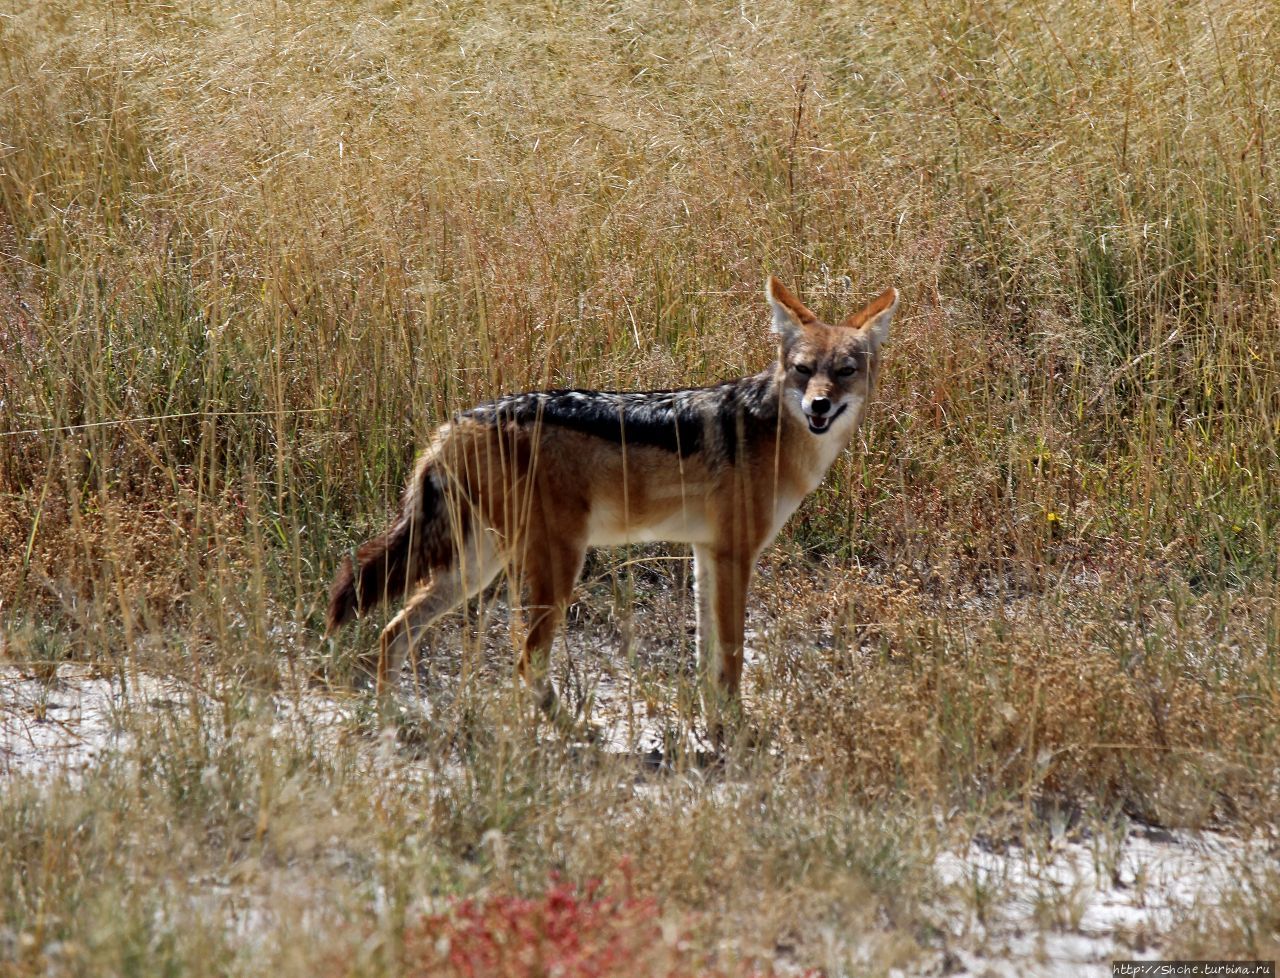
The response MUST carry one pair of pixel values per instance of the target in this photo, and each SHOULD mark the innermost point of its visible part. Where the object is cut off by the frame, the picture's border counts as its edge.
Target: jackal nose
(819, 405)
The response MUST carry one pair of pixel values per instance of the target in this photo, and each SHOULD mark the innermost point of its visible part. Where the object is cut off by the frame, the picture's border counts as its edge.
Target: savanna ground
(251, 253)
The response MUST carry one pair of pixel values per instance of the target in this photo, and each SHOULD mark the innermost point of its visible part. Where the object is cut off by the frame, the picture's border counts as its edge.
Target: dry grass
(251, 253)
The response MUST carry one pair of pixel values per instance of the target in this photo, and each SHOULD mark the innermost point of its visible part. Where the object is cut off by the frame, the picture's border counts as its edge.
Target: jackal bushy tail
(390, 564)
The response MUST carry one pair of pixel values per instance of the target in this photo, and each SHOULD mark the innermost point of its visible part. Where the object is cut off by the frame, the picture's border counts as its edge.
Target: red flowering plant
(564, 933)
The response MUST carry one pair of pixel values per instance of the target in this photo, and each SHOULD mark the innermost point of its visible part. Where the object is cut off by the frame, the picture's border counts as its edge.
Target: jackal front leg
(721, 579)
(549, 581)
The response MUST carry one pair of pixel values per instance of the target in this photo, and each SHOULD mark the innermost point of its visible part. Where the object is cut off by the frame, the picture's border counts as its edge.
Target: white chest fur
(823, 449)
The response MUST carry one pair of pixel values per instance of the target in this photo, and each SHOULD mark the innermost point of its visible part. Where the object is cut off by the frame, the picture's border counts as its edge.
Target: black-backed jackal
(528, 482)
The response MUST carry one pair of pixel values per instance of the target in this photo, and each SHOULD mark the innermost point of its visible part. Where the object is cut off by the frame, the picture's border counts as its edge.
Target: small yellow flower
(1052, 517)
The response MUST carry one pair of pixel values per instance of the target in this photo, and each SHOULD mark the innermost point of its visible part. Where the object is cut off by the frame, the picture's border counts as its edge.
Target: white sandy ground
(1110, 900)
(1063, 911)
(65, 726)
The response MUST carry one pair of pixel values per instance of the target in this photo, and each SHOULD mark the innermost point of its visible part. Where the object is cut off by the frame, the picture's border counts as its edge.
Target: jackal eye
(803, 370)
(846, 371)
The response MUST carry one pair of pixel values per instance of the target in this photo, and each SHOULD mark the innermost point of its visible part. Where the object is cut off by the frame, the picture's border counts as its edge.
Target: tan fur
(528, 483)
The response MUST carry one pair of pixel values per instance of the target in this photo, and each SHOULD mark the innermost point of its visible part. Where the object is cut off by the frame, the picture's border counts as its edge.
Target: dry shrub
(133, 558)
(1126, 714)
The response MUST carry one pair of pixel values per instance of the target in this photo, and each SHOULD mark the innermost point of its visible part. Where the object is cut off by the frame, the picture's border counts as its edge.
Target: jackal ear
(875, 318)
(789, 313)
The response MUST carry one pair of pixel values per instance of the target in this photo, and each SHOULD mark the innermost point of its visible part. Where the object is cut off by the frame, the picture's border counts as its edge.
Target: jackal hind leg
(448, 587)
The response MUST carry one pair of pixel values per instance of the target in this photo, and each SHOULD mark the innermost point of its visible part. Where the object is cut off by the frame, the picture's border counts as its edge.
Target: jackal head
(827, 372)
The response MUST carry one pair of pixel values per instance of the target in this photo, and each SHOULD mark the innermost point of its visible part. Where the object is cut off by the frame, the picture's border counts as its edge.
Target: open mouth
(819, 423)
